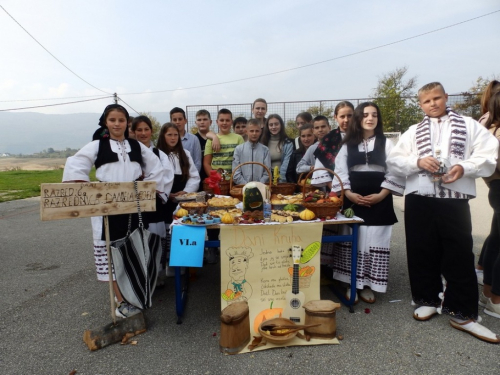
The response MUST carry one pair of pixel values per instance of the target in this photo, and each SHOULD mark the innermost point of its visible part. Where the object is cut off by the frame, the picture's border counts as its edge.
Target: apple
(332, 194)
(335, 199)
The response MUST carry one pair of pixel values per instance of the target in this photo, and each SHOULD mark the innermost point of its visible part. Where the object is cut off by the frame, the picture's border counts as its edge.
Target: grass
(19, 184)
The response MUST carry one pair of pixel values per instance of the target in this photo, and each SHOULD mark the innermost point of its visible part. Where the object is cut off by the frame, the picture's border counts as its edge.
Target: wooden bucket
(234, 328)
(321, 311)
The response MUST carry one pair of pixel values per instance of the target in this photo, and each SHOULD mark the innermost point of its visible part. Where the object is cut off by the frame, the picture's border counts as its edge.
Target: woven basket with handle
(328, 208)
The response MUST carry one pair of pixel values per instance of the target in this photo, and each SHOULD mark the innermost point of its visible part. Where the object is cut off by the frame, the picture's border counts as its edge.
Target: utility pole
(115, 95)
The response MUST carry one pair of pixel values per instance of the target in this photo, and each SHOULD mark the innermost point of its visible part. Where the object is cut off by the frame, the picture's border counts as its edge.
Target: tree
(156, 126)
(397, 100)
(471, 103)
(290, 127)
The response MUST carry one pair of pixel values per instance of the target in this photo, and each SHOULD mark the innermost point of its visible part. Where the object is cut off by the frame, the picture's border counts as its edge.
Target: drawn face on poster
(238, 288)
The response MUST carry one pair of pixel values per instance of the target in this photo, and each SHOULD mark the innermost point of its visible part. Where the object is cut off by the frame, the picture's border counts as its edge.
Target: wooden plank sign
(86, 199)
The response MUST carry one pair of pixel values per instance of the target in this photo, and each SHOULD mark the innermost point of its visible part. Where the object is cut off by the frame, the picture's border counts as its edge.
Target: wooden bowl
(278, 340)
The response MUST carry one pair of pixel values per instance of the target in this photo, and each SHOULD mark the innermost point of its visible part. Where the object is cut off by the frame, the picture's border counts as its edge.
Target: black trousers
(491, 247)
(439, 242)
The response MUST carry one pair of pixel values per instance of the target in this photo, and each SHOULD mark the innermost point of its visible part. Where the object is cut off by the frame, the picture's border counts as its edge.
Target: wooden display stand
(87, 199)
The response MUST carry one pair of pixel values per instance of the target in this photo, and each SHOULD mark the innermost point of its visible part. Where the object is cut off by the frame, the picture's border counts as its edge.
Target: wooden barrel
(234, 328)
(321, 311)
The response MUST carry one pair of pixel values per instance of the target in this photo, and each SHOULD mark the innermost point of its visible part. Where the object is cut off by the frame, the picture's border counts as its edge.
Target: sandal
(423, 313)
(476, 330)
(367, 295)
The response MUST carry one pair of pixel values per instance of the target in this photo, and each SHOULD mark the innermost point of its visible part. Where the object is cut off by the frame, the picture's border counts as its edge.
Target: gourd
(307, 215)
(252, 198)
(349, 212)
(181, 212)
(276, 175)
(227, 218)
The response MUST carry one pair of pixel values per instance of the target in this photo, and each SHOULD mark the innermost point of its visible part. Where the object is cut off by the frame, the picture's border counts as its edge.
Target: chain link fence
(465, 104)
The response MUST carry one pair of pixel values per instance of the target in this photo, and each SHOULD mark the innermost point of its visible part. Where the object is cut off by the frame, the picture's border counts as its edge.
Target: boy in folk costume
(440, 158)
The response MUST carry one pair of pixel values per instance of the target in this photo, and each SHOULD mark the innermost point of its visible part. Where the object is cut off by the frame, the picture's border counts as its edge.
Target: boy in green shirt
(222, 159)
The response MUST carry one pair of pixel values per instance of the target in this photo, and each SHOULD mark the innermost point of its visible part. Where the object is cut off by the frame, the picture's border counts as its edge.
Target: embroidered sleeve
(78, 166)
(193, 182)
(402, 161)
(152, 169)
(393, 183)
(483, 152)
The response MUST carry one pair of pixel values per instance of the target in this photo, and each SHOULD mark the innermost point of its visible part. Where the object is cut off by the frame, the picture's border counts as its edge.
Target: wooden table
(182, 283)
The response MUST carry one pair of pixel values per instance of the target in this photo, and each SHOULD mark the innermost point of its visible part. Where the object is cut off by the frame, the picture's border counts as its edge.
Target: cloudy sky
(138, 47)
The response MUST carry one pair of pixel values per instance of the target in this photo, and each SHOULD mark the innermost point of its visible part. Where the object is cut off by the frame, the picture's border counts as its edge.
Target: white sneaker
(483, 300)
(126, 310)
(492, 309)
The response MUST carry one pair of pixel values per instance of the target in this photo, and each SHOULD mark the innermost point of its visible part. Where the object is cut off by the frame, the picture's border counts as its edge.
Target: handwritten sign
(86, 199)
(256, 265)
(187, 246)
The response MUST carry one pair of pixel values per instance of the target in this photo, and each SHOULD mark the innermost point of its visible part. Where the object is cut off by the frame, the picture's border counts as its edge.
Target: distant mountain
(31, 132)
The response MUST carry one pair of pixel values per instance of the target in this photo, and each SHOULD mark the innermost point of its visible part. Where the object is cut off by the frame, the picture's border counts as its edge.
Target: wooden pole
(110, 271)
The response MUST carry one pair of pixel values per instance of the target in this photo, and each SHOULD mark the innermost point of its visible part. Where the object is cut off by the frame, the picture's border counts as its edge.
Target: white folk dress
(78, 167)
(373, 240)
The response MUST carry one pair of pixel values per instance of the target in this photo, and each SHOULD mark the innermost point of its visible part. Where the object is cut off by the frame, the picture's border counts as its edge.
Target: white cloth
(193, 182)
(373, 257)
(480, 154)
(168, 172)
(393, 183)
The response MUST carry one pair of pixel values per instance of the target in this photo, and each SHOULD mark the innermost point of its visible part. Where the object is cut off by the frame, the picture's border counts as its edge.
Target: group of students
(371, 168)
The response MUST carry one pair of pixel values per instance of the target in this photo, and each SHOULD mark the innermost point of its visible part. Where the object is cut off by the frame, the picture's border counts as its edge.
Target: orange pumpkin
(266, 314)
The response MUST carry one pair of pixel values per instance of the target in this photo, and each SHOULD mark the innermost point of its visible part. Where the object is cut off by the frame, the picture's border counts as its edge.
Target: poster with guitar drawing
(275, 268)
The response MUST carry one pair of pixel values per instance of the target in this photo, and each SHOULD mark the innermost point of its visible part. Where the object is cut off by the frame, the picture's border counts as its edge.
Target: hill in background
(32, 132)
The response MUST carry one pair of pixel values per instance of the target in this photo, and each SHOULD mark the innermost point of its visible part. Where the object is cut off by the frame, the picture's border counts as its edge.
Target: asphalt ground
(50, 295)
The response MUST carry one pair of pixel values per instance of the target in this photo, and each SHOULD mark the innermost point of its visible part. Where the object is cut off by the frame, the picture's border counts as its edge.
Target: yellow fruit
(227, 218)
(307, 215)
(181, 212)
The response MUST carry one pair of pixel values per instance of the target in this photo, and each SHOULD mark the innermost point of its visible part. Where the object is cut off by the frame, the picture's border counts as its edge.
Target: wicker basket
(300, 186)
(223, 185)
(236, 191)
(284, 188)
(324, 209)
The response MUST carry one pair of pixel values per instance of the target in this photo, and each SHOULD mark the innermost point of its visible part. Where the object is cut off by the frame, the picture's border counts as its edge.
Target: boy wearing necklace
(441, 157)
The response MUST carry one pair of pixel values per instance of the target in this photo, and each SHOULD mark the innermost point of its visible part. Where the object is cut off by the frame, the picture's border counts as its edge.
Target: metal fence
(289, 110)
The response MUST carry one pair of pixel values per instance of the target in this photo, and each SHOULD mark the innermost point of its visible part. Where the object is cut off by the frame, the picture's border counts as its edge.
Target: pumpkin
(181, 212)
(266, 314)
(252, 198)
(227, 218)
(307, 215)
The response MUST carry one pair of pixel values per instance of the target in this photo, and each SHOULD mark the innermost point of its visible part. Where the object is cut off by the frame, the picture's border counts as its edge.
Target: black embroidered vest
(106, 155)
(377, 156)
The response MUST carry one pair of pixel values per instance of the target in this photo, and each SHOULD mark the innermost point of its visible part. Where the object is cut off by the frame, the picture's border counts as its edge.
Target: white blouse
(79, 165)
(193, 182)
(393, 183)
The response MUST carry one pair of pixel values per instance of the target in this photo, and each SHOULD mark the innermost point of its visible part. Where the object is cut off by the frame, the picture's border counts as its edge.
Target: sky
(138, 47)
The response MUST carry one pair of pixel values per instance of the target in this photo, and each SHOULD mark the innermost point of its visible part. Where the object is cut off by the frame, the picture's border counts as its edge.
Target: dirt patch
(31, 164)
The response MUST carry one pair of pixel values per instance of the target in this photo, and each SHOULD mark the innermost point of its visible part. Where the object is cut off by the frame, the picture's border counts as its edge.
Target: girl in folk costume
(361, 166)
(143, 130)
(441, 157)
(307, 139)
(117, 159)
(490, 298)
(329, 146)
(301, 119)
(186, 176)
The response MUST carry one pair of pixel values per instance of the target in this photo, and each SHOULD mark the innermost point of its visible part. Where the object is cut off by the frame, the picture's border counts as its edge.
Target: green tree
(470, 105)
(156, 126)
(316, 110)
(397, 100)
